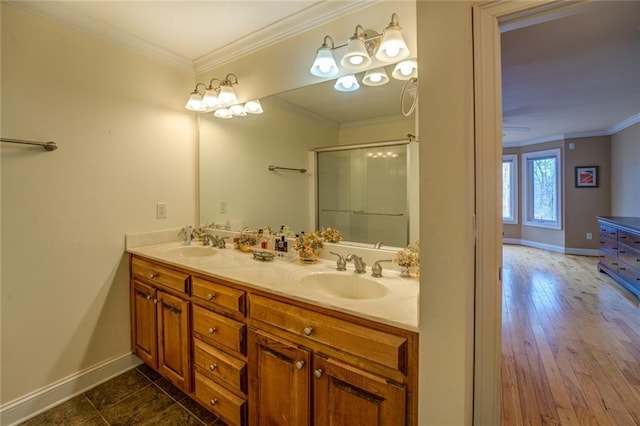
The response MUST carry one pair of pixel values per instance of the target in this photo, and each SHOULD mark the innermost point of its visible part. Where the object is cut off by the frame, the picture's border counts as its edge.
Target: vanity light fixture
(388, 47)
(220, 98)
(376, 77)
(392, 47)
(347, 83)
(405, 70)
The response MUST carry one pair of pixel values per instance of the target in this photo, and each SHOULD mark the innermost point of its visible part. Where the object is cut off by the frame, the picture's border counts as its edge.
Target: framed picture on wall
(587, 177)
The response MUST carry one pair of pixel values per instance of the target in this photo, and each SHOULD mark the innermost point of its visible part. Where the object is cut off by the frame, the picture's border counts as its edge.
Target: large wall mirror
(237, 189)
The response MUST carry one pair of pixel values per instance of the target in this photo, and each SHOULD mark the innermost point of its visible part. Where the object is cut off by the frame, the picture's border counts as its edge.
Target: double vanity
(277, 342)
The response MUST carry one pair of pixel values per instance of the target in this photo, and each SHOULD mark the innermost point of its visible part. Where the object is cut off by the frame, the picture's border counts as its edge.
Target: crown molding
(58, 12)
(634, 119)
(308, 18)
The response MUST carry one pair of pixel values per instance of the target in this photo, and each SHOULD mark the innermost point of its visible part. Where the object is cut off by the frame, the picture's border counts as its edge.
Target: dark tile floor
(137, 397)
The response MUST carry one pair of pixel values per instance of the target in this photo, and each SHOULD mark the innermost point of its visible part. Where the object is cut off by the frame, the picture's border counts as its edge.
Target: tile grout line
(97, 411)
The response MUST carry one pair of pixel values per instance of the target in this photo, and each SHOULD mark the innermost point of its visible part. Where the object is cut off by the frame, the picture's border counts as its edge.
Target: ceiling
(564, 75)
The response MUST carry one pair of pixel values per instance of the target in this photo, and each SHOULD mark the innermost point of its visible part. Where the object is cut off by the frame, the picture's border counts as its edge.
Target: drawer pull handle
(308, 331)
(153, 275)
(318, 373)
(300, 365)
(623, 237)
(622, 251)
(212, 330)
(612, 233)
(214, 401)
(213, 367)
(638, 259)
(623, 269)
(210, 296)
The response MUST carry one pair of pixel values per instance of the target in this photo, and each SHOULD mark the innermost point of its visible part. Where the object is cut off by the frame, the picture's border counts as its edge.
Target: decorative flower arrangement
(331, 235)
(408, 257)
(307, 245)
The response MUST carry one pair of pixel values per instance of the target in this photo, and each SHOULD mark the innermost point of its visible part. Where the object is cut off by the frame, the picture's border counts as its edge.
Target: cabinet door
(143, 322)
(279, 376)
(174, 358)
(348, 396)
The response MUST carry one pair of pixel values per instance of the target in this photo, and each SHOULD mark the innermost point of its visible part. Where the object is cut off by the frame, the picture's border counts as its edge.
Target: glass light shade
(253, 107)
(405, 70)
(356, 57)
(324, 65)
(194, 103)
(392, 47)
(237, 110)
(210, 99)
(376, 77)
(227, 95)
(347, 83)
(223, 113)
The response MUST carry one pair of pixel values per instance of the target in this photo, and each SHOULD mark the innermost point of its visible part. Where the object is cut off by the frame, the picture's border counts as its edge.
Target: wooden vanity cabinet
(253, 358)
(304, 362)
(160, 329)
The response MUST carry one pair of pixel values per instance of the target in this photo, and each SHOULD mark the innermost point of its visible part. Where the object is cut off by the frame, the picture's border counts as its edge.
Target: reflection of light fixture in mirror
(356, 57)
(237, 110)
(223, 113)
(405, 70)
(376, 77)
(253, 107)
(324, 65)
(347, 83)
(392, 47)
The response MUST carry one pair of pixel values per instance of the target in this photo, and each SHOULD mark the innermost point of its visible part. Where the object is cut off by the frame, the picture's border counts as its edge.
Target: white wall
(625, 172)
(125, 142)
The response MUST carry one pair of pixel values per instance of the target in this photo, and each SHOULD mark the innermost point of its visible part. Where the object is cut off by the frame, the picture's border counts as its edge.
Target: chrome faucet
(377, 245)
(221, 242)
(209, 239)
(361, 267)
(341, 264)
(376, 269)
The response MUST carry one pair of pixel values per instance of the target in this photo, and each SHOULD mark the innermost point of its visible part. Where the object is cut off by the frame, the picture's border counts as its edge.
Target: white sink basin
(192, 251)
(343, 285)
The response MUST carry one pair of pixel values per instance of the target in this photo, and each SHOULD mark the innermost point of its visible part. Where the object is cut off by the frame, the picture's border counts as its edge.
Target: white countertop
(399, 307)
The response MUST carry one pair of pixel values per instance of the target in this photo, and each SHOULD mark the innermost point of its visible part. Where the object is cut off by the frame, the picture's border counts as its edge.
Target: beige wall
(625, 172)
(125, 142)
(447, 265)
(582, 205)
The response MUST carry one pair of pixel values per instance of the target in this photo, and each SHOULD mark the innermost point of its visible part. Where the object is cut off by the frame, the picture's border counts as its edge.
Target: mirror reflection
(237, 189)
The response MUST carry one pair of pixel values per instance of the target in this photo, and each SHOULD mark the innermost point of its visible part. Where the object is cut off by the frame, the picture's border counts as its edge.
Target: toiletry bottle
(283, 244)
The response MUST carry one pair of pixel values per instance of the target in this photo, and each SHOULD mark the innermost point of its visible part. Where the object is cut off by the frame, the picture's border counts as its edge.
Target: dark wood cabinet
(620, 250)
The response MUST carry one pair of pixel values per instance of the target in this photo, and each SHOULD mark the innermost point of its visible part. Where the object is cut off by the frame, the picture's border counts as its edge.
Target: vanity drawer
(632, 240)
(218, 366)
(231, 408)
(629, 255)
(629, 274)
(218, 330)
(608, 231)
(377, 346)
(216, 294)
(160, 275)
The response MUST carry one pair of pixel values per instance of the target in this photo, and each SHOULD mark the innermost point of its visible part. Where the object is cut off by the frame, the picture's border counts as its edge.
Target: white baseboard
(33, 403)
(551, 247)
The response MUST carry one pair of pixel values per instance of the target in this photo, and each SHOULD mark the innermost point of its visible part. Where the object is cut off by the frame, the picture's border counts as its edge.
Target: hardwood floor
(570, 342)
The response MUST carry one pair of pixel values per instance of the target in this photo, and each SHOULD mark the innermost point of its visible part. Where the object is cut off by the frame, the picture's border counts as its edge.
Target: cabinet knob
(300, 365)
(212, 330)
(153, 275)
(308, 331)
(318, 373)
(213, 367)
(214, 401)
(210, 296)
(155, 301)
(148, 297)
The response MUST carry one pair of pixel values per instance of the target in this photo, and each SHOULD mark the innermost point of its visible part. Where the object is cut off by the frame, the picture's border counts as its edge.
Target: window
(510, 189)
(541, 182)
